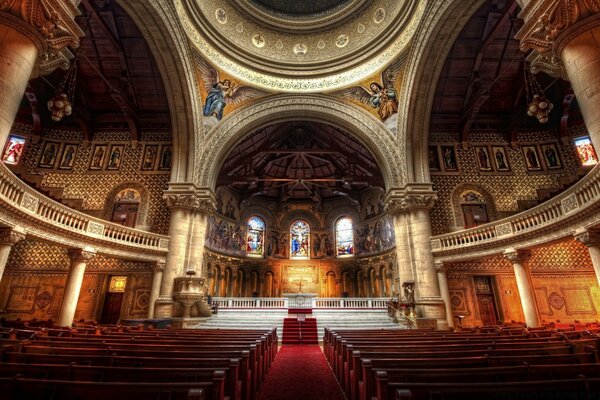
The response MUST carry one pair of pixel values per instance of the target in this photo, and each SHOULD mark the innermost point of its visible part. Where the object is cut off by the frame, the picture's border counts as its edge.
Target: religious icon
(68, 156)
(500, 159)
(381, 96)
(149, 159)
(49, 153)
(586, 152)
(434, 159)
(551, 157)
(532, 160)
(299, 242)
(13, 150)
(221, 92)
(98, 156)
(449, 158)
(166, 158)
(483, 158)
(116, 156)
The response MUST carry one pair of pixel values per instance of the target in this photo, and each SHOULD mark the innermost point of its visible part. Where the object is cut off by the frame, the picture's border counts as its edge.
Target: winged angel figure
(382, 97)
(222, 92)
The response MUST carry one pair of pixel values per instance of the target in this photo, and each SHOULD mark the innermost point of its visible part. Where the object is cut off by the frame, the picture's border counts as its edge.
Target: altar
(300, 300)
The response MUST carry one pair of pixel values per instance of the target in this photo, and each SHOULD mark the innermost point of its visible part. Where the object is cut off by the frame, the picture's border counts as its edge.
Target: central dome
(301, 8)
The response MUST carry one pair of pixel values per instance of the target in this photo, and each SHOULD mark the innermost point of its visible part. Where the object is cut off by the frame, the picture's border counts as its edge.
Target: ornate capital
(197, 200)
(517, 256)
(439, 266)
(410, 201)
(10, 236)
(81, 255)
(159, 266)
(50, 24)
(588, 237)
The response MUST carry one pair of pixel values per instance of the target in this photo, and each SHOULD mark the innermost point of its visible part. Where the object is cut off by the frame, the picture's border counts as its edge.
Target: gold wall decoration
(117, 284)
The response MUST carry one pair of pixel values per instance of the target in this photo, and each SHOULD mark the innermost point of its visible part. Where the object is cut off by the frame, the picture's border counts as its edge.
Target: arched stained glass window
(300, 240)
(344, 237)
(255, 237)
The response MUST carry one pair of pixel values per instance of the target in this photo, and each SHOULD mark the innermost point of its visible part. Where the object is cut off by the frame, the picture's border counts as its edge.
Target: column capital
(10, 236)
(440, 266)
(191, 198)
(51, 26)
(81, 255)
(159, 266)
(591, 238)
(517, 256)
(405, 201)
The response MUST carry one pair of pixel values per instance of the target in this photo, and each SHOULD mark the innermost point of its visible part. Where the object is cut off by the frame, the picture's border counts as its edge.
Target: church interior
(364, 176)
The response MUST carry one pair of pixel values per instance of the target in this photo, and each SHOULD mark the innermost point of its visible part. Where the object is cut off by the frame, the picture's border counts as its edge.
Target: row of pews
(101, 363)
(490, 364)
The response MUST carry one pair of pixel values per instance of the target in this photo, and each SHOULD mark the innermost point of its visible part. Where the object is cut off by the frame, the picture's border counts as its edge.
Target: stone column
(34, 36)
(158, 269)
(199, 227)
(564, 35)
(79, 259)
(8, 238)
(519, 259)
(444, 291)
(592, 240)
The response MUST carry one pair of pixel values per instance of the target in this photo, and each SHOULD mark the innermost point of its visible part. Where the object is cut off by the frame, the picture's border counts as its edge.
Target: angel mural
(383, 97)
(221, 92)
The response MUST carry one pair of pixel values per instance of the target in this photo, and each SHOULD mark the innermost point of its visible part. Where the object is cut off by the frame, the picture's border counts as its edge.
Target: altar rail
(44, 218)
(315, 303)
(557, 217)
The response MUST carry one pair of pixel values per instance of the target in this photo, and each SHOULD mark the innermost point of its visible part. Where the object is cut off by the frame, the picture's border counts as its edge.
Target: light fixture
(62, 102)
(538, 104)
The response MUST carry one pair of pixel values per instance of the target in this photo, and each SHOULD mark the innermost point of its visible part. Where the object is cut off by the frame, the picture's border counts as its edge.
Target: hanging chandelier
(62, 102)
(538, 105)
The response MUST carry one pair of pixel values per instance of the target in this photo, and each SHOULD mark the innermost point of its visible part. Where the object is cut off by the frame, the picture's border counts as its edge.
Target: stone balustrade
(43, 218)
(317, 303)
(557, 218)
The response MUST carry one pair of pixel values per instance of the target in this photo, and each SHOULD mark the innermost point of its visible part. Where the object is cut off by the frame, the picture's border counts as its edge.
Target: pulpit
(188, 290)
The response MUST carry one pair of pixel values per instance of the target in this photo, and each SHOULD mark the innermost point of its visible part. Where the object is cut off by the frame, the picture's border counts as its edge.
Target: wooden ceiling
(118, 85)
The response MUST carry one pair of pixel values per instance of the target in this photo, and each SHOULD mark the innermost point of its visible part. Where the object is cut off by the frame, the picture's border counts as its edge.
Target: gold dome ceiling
(332, 45)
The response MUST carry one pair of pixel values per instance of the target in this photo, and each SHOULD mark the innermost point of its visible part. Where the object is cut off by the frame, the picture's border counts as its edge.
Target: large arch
(160, 26)
(280, 108)
(442, 23)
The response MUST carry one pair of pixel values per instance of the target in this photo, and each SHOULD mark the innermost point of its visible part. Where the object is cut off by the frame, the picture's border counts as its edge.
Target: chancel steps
(300, 331)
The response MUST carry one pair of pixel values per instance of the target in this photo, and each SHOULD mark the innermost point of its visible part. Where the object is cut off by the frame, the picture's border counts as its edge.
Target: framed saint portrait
(68, 156)
(500, 159)
(434, 159)
(98, 157)
(149, 159)
(49, 155)
(532, 159)
(551, 156)
(482, 155)
(166, 158)
(117, 151)
(13, 150)
(586, 152)
(449, 158)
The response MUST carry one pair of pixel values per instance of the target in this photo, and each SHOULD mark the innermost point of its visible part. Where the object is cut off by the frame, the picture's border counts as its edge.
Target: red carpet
(296, 332)
(300, 373)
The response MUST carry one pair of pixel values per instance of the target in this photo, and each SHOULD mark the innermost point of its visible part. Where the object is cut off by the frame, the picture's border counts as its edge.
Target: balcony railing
(46, 219)
(557, 217)
(315, 303)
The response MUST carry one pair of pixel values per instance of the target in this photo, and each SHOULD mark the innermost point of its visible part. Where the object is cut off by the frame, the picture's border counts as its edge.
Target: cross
(299, 283)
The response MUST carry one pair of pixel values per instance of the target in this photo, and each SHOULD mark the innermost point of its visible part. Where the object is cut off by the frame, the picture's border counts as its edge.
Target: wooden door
(125, 214)
(487, 309)
(111, 312)
(475, 214)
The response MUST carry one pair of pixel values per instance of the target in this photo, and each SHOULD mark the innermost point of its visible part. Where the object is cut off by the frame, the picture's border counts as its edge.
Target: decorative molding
(81, 255)
(202, 201)
(10, 236)
(588, 237)
(517, 256)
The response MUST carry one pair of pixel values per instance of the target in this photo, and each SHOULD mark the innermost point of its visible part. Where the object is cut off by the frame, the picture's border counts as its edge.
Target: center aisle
(300, 372)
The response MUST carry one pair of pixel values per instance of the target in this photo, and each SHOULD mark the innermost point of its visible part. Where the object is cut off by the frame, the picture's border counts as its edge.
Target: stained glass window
(300, 240)
(255, 237)
(13, 149)
(586, 152)
(344, 237)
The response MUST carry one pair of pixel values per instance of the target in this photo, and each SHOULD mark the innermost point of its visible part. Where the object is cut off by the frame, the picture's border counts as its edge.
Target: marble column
(444, 291)
(158, 270)
(34, 36)
(199, 226)
(591, 239)
(8, 238)
(565, 38)
(403, 271)
(79, 259)
(519, 259)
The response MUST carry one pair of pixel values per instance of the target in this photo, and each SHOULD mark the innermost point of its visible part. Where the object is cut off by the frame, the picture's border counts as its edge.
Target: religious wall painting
(449, 162)
(500, 159)
(483, 158)
(300, 279)
(166, 158)
(532, 159)
(98, 157)
(434, 159)
(551, 156)
(149, 158)
(585, 151)
(372, 203)
(299, 240)
(67, 158)
(344, 237)
(255, 237)
(374, 237)
(222, 93)
(224, 236)
(49, 155)
(13, 149)
(115, 157)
